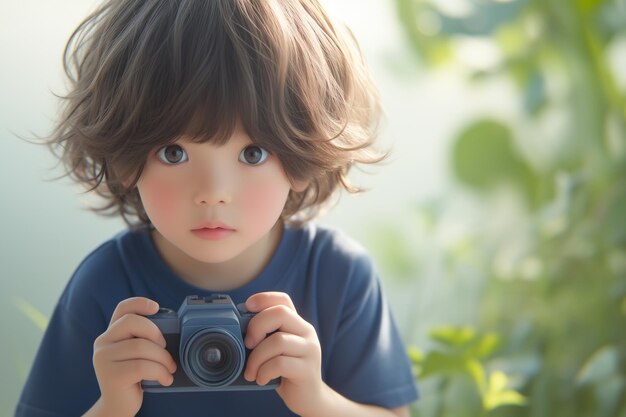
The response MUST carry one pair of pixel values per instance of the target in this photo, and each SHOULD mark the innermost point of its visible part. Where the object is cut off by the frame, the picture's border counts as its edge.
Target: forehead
(198, 132)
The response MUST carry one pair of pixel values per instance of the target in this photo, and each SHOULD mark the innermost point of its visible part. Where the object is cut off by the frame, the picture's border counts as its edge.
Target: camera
(205, 338)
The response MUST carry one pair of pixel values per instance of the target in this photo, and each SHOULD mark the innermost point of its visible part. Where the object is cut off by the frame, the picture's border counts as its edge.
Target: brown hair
(144, 72)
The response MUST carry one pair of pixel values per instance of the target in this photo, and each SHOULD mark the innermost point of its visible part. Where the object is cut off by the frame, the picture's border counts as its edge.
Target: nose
(212, 187)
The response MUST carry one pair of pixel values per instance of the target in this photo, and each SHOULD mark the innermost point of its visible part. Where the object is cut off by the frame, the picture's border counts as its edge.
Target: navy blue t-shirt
(329, 277)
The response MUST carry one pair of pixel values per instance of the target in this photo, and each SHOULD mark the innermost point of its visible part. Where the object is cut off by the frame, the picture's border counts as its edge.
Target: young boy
(217, 129)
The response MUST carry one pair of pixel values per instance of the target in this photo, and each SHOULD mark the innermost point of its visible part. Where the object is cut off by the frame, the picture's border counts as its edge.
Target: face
(210, 202)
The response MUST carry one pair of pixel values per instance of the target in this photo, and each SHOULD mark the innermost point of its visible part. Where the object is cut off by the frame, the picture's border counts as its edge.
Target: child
(217, 129)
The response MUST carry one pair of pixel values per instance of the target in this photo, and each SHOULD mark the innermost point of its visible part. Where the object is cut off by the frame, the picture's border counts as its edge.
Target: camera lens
(213, 357)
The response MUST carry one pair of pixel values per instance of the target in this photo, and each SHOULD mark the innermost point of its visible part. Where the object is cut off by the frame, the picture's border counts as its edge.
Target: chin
(213, 255)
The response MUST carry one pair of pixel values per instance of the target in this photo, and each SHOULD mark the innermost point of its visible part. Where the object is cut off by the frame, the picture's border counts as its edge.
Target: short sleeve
(62, 381)
(368, 362)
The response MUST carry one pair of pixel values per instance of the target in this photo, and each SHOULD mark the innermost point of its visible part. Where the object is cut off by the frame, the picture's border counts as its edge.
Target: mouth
(213, 231)
(213, 225)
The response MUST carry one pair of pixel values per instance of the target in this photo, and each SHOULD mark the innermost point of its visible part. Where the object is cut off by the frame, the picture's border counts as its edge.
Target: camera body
(205, 338)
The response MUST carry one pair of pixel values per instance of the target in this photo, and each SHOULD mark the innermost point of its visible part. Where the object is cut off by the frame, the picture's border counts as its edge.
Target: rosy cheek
(264, 201)
(159, 199)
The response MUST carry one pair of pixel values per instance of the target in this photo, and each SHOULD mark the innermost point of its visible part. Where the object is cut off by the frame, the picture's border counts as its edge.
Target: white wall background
(45, 232)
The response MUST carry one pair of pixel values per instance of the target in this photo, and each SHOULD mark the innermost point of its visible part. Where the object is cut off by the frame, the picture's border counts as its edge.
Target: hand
(130, 350)
(293, 352)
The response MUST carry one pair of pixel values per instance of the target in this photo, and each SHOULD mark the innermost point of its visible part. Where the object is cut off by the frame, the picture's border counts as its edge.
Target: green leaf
(416, 355)
(497, 381)
(484, 346)
(484, 156)
(438, 363)
(476, 372)
(453, 336)
(465, 341)
(497, 394)
(441, 363)
(508, 397)
(31, 312)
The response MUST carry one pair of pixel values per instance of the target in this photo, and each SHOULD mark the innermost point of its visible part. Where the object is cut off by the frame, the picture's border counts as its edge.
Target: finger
(135, 305)
(263, 300)
(278, 344)
(132, 326)
(135, 349)
(276, 318)
(136, 370)
(286, 367)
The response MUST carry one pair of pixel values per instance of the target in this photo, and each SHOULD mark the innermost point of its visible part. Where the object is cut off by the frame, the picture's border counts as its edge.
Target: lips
(213, 224)
(213, 230)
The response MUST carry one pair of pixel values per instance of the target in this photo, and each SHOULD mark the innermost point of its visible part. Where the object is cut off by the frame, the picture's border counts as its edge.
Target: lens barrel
(213, 357)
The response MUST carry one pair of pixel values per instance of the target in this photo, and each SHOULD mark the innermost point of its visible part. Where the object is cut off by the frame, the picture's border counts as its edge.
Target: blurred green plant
(553, 272)
(459, 353)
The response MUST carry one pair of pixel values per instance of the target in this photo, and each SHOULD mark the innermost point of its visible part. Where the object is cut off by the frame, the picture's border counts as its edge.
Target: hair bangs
(190, 76)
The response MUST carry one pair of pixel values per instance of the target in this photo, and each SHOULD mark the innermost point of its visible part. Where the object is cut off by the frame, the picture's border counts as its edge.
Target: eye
(172, 155)
(253, 155)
